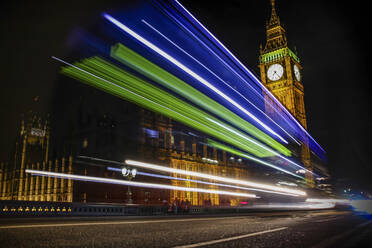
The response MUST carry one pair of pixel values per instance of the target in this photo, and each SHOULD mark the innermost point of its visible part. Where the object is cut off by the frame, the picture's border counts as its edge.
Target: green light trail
(243, 155)
(103, 75)
(166, 79)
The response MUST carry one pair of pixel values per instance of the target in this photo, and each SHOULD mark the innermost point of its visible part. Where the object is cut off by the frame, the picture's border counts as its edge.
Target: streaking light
(202, 182)
(258, 144)
(291, 206)
(250, 73)
(144, 94)
(168, 80)
(244, 155)
(214, 74)
(287, 183)
(330, 200)
(190, 72)
(135, 184)
(216, 178)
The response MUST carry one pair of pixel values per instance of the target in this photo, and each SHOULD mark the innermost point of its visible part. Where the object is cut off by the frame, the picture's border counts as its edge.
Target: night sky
(330, 38)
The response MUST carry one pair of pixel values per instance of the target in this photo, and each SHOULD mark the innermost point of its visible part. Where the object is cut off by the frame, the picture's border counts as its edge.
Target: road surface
(315, 229)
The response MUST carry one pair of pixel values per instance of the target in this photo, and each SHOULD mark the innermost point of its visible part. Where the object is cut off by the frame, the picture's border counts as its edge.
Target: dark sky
(330, 37)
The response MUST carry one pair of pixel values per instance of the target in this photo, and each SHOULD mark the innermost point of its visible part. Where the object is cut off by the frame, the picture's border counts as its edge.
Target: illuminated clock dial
(275, 72)
(297, 72)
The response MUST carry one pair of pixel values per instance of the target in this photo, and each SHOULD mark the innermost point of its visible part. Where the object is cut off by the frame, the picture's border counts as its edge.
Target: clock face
(275, 72)
(297, 72)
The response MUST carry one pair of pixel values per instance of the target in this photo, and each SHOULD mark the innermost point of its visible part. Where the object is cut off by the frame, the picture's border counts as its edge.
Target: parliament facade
(95, 124)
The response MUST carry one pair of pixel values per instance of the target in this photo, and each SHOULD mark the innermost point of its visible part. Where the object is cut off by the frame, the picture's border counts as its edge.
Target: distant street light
(129, 173)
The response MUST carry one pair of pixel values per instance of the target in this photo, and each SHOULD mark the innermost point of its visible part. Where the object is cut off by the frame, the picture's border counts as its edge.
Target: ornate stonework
(285, 80)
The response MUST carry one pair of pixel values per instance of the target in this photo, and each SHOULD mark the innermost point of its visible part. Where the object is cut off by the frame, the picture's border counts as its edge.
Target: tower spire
(272, 6)
(275, 33)
(274, 19)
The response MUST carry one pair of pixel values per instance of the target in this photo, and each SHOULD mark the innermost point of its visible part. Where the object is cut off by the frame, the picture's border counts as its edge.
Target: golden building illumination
(281, 73)
(109, 131)
(32, 152)
(190, 155)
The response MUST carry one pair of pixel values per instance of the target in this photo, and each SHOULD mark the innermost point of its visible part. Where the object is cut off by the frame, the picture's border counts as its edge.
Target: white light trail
(241, 135)
(111, 83)
(210, 71)
(244, 155)
(252, 75)
(270, 165)
(202, 182)
(136, 184)
(262, 146)
(289, 206)
(216, 178)
(146, 99)
(328, 200)
(190, 72)
(197, 77)
(287, 183)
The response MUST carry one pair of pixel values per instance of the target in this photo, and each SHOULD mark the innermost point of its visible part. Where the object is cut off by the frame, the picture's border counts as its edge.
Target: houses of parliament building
(117, 130)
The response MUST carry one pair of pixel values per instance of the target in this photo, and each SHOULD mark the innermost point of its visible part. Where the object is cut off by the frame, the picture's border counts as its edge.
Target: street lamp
(129, 173)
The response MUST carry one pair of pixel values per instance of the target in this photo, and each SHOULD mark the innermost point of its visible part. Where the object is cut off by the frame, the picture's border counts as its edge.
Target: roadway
(328, 228)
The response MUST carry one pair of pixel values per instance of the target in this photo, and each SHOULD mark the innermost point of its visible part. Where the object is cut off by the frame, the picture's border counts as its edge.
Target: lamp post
(130, 174)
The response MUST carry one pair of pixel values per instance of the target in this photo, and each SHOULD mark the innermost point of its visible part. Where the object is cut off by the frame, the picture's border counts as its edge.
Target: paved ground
(288, 229)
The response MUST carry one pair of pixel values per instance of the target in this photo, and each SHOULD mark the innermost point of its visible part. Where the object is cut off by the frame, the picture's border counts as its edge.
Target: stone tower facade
(32, 152)
(280, 69)
(281, 73)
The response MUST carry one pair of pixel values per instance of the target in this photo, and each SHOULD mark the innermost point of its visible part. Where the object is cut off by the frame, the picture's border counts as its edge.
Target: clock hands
(276, 74)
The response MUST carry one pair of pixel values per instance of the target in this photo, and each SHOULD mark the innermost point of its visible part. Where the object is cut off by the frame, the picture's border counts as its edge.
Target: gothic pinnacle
(274, 19)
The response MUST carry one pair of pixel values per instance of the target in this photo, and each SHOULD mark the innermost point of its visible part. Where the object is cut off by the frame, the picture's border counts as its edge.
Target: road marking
(231, 238)
(334, 212)
(328, 219)
(114, 222)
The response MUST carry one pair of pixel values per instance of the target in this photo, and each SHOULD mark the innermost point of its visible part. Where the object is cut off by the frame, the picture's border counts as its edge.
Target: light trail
(201, 182)
(260, 145)
(327, 200)
(170, 106)
(157, 107)
(289, 206)
(251, 74)
(135, 184)
(231, 69)
(176, 115)
(206, 175)
(137, 62)
(216, 178)
(190, 72)
(241, 135)
(223, 81)
(201, 175)
(168, 80)
(231, 150)
(239, 153)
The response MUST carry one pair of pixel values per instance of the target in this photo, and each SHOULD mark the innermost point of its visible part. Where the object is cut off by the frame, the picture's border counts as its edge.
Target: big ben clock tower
(280, 72)
(280, 69)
